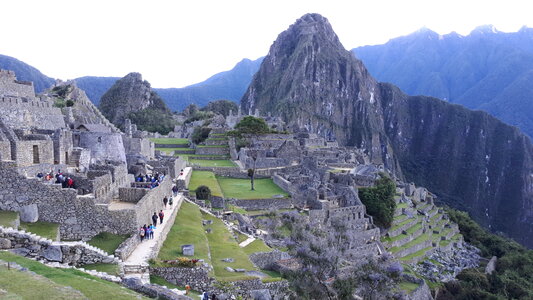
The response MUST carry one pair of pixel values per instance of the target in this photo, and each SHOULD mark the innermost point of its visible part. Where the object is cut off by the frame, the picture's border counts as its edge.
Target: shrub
(203, 193)
(252, 125)
(379, 201)
(200, 134)
(70, 103)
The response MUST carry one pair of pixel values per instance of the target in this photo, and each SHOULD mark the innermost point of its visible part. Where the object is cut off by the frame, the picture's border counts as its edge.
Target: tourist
(165, 201)
(161, 216)
(170, 202)
(152, 228)
(213, 296)
(187, 289)
(181, 172)
(142, 233)
(70, 183)
(175, 190)
(149, 233)
(205, 296)
(40, 175)
(154, 219)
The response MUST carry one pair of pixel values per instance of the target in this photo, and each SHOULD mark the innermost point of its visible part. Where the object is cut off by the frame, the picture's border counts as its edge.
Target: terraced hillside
(419, 228)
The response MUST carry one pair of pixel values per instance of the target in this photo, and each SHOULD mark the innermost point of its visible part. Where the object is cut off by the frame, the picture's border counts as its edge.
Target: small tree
(203, 192)
(251, 172)
(379, 201)
(252, 125)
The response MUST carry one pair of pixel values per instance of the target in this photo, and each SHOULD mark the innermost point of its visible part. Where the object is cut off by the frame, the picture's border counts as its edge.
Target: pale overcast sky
(177, 43)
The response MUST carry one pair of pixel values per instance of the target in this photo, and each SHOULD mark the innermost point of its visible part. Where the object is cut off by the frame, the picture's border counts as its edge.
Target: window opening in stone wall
(66, 157)
(35, 154)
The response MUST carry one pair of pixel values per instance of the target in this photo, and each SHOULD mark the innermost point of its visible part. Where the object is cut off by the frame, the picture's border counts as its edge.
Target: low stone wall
(172, 145)
(216, 142)
(422, 292)
(31, 245)
(212, 150)
(127, 247)
(261, 204)
(153, 291)
(132, 195)
(284, 184)
(266, 260)
(152, 202)
(198, 279)
(217, 202)
(403, 228)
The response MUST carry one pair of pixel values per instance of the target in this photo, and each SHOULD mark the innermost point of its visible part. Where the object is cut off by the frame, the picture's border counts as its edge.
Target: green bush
(203, 192)
(252, 125)
(200, 134)
(379, 201)
(70, 103)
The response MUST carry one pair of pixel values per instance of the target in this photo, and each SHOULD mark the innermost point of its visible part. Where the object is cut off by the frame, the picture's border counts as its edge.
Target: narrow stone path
(136, 265)
(247, 242)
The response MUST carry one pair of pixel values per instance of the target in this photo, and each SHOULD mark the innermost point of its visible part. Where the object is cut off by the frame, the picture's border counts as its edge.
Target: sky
(178, 43)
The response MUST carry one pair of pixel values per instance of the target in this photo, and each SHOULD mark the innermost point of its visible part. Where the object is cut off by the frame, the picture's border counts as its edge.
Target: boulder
(53, 253)
(29, 213)
(5, 243)
(228, 260)
(229, 269)
(187, 250)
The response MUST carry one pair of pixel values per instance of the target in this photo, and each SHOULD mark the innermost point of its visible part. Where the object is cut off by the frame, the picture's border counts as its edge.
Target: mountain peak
(485, 29)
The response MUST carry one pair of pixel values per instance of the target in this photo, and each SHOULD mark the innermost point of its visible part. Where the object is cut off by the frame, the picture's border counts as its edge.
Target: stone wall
(142, 146)
(197, 278)
(17, 113)
(284, 184)
(10, 86)
(262, 204)
(127, 247)
(132, 195)
(153, 202)
(182, 181)
(266, 260)
(74, 253)
(103, 146)
(5, 150)
(212, 150)
(166, 230)
(34, 152)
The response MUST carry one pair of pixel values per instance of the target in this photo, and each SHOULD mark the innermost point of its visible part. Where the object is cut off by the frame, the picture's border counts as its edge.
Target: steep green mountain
(487, 70)
(468, 158)
(229, 85)
(132, 98)
(26, 72)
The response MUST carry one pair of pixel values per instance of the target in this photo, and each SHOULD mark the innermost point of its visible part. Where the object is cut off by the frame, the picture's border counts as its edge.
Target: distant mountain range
(486, 70)
(26, 72)
(229, 85)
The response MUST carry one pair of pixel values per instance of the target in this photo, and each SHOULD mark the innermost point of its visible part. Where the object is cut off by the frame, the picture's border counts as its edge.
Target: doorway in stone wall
(35, 154)
(66, 157)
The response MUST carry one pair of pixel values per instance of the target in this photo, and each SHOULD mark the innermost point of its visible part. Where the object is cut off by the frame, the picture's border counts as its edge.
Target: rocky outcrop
(468, 158)
(130, 94)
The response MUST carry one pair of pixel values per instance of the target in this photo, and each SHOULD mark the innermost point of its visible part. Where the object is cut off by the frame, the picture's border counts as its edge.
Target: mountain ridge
(312, 81)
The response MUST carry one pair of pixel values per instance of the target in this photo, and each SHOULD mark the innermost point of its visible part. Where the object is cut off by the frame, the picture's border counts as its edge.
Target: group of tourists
(147, 232)
(60, 178)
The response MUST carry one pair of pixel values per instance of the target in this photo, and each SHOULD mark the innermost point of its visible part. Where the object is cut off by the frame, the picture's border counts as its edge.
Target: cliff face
(470, 159)
(129, 95)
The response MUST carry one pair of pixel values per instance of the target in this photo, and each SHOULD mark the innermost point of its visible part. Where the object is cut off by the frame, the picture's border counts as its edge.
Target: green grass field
(187, 229)
(256, 246)
(240, 188)
(207, 178)
(223, 245)
(44, 229)
(212, 146)
(111, 269)
(8, 218)
(212, 163)
(50, 283)
(107, 241)
(169, 141)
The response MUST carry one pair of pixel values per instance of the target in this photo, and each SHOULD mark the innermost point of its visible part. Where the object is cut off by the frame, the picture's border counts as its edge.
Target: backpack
(161, 214)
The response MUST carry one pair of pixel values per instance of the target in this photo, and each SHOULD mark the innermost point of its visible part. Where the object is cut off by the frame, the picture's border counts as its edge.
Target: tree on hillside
(252, 125)
(379, 201)
(222, 107)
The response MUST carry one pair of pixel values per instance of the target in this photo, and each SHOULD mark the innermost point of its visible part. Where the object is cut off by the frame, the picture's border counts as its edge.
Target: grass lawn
(212, 146)
(422, 238)
(107, 241)
(51, 283)
(207, 178)
(111, 269)
(212, 163)
(416, 254)
(240, 188)
(408, 286)
(8, 218)
(240, 237)
(187, 229)
(167, 150)
(170, 141)
(223, 245)
(44, 229)
(256, 246)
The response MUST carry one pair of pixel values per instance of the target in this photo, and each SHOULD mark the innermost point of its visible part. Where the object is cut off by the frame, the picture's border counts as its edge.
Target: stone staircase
(74, 159)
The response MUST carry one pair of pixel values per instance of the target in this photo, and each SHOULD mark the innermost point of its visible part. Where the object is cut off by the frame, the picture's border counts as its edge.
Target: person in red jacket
(161, 216)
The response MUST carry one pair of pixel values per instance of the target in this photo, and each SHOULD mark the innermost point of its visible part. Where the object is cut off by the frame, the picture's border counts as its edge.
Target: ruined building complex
(39, 136)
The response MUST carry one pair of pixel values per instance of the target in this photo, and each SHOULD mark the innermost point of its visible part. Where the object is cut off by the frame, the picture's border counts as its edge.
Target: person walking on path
(165, 201)
(175, 190)
(154, 219)
(148, 232)
(170, 202)
(152, 228)
(141, 233)
(161, 216)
